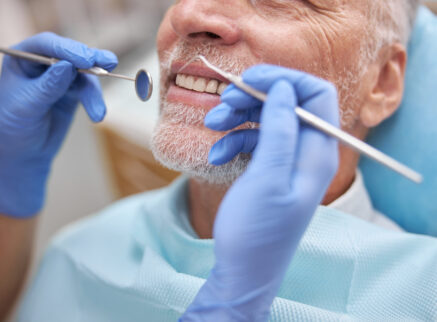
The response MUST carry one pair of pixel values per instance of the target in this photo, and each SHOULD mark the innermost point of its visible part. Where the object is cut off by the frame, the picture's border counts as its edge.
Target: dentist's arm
(37, 105)
(266, 212)
(16, 240)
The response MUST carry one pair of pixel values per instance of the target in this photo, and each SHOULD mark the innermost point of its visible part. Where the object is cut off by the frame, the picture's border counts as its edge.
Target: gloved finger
(227, 148)
(312, 92)
(239, 99)
(22, 67)
(52, 45)
(224, 117)
(91, 97)
(47, 89)
(105, 59)
(278, 138)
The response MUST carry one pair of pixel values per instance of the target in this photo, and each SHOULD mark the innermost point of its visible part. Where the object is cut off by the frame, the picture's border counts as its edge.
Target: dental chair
(410, 136)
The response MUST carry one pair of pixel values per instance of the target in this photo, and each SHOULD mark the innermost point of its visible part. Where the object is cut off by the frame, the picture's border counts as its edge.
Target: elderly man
(254, 189)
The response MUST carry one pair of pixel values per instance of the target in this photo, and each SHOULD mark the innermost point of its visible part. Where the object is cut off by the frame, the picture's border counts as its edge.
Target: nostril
(212, 35)
(205, 34)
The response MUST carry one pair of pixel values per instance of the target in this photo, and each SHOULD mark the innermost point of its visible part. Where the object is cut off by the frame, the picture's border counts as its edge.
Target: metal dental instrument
(323, 126)
(143, 79)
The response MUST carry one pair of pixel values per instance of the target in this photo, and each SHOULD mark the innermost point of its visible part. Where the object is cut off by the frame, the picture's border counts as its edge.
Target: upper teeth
(200, 84)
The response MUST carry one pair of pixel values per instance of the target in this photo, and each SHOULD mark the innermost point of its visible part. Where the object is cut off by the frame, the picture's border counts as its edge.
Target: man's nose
(212, 20)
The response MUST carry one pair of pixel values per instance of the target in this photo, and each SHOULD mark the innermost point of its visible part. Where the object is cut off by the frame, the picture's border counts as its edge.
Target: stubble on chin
(179, 143)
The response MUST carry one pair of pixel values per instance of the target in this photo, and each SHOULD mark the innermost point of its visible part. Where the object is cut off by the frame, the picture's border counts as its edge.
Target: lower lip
(177, 94)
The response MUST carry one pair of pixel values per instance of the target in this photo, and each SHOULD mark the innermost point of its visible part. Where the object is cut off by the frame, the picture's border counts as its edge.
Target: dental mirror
(143, 85)
(143, 80)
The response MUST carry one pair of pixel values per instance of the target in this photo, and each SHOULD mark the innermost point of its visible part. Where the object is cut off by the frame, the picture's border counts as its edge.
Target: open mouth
(195, 85)
(200, 84)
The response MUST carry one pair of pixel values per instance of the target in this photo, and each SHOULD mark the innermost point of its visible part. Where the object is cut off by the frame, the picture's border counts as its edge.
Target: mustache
(185, 51)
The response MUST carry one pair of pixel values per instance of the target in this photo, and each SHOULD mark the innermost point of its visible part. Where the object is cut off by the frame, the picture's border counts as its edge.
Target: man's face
(321, 37)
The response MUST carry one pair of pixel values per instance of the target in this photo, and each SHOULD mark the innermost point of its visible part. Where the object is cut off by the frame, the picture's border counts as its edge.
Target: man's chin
(185, 148)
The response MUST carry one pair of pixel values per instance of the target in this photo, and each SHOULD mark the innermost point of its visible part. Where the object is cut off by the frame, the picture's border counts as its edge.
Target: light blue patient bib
(139, 260)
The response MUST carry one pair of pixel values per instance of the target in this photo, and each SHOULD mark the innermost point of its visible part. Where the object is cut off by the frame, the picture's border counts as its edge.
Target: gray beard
(181, 143)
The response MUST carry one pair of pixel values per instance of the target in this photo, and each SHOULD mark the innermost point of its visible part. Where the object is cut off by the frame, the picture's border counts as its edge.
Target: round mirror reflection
(143, 85)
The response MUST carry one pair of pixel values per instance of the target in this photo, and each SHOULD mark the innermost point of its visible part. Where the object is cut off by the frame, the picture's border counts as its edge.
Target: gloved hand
(267, 210)
(37, 105)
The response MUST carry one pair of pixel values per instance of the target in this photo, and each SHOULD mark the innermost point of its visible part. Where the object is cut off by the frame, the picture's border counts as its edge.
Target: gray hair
(393, 21)
(388, 22)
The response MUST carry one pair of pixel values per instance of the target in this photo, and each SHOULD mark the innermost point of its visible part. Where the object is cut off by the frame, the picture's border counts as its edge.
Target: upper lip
(195, 69)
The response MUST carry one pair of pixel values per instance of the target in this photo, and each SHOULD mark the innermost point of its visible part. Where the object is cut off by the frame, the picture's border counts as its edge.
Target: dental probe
(324, 126)
(143, 79)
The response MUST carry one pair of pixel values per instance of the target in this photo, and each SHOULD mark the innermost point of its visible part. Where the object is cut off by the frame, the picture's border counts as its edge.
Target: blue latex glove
(266, 212)
(37, 105)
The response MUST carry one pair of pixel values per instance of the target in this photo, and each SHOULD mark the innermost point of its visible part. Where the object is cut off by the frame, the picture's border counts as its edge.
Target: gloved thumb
(52, 85)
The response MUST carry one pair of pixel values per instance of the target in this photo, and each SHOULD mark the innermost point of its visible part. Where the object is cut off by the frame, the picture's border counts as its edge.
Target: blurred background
(99, 164)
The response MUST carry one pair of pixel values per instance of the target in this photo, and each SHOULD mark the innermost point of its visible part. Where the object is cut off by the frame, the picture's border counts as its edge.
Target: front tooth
(178, 79)
(212, 86)
(189, 82)
(221, 88)
(200, 85)
(183, 80)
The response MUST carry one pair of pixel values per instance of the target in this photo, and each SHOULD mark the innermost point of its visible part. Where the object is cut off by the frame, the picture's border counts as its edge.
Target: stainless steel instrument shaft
(97, 71)
(326, 127)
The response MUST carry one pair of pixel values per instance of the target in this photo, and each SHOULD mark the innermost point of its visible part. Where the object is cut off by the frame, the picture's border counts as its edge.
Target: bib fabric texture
(139, 260)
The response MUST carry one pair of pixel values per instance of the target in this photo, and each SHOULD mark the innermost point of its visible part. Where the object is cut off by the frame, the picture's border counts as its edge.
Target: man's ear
(386, 85)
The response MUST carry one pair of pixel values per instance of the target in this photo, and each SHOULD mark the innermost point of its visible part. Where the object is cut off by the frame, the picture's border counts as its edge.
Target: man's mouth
(200, 84)
(195, 85)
